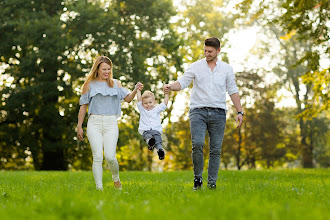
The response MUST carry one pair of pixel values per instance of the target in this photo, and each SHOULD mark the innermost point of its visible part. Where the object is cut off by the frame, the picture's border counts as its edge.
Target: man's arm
(176, 86)
(237, 103)
(182, 82)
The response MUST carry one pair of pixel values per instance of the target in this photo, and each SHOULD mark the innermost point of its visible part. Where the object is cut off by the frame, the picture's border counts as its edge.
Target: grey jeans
(153, 134)
(212, 120)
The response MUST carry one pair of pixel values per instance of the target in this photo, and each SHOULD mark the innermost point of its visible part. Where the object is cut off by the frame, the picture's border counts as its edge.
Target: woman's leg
(95, 138)
(111, 134)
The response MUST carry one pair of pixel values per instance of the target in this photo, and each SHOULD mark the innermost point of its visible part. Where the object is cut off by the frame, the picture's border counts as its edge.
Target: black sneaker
(161, 154)
(211, 186)
(151, 143)
(198, 183)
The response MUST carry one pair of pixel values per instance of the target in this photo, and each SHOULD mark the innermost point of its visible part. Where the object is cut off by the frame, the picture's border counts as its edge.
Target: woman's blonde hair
(93, 74)
(147, 94)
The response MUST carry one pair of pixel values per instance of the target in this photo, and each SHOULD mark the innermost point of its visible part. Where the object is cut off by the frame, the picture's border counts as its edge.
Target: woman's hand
(80, 133)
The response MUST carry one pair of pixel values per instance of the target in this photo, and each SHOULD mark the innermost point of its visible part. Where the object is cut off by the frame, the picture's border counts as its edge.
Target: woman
(103, 94)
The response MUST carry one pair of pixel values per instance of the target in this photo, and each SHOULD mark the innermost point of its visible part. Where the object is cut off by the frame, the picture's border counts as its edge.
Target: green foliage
(47, 49)
(299, 27)
(285, 194)
(202, 19)
(179, 144)
(308, 22)
(321, 90)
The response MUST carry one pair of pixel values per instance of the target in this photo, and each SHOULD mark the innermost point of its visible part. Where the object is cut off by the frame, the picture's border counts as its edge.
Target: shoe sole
(211, 187)
(198, 188)
(151, 143)
(161, 154)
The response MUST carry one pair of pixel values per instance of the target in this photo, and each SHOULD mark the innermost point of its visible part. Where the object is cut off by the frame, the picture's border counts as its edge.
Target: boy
(150, 126)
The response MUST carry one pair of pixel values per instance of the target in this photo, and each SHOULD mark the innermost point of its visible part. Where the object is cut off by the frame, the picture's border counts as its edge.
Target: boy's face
(148, 103)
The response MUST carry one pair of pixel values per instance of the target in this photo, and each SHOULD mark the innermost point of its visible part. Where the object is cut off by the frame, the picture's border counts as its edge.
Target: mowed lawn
(267, 194)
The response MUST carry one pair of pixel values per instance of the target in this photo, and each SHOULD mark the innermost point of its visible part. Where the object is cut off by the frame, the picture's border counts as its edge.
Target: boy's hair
(147, 94)
(212, 42)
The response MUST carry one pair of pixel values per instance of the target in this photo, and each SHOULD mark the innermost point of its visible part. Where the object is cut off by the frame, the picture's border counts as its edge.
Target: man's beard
(211, 58)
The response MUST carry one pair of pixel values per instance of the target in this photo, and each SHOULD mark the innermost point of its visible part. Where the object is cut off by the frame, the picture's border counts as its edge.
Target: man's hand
(239, 120)
(166, 88)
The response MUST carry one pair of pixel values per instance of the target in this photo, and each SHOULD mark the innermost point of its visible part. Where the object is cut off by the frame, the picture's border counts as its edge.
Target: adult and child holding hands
(102, 95)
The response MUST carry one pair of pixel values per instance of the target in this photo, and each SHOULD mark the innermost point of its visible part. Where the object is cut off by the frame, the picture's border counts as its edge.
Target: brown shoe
(117, 185)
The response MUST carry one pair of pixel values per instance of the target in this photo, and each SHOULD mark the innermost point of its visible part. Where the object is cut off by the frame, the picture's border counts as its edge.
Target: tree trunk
(54, 160)
(307, 149)
(149, 159)
(51, 122)
(238, 153)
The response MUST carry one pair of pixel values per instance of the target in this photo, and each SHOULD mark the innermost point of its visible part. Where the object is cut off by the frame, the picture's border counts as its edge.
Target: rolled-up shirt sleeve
(186, 79)
(84, 99)
(231, 86)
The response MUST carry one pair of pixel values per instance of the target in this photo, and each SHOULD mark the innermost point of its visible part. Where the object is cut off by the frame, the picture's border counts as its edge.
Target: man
(211, 79)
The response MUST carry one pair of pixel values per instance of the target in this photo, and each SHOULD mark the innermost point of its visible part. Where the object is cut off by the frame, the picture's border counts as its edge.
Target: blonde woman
(102, 94)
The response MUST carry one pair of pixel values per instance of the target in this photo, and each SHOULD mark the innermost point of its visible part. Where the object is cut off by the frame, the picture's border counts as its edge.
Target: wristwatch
(240, 112)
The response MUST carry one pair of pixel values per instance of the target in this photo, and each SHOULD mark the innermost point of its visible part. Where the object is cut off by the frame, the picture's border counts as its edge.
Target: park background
(279, 50)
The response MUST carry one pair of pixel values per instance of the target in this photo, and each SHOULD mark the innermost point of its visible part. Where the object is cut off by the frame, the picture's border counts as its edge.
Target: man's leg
(198, 128)
(216, 128)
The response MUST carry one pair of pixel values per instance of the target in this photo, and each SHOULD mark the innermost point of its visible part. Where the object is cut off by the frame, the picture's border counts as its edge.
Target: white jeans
(102, 132)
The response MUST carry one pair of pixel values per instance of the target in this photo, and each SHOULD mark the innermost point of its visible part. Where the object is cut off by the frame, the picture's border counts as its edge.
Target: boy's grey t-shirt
(150, 119)
(102, 99)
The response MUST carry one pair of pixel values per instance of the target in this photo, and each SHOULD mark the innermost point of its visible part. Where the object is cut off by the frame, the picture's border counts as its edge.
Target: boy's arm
(139, 95)
(166, 98)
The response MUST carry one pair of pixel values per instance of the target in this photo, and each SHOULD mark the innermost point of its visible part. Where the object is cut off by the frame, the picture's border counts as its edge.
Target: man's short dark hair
(212, 42)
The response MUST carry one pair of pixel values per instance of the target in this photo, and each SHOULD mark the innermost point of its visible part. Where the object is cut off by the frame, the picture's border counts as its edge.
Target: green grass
(283, 194)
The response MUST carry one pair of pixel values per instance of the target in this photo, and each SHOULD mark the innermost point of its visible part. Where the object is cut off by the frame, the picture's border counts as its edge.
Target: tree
(309, 20)
(179, 143)
(48, 47)
(294, 58)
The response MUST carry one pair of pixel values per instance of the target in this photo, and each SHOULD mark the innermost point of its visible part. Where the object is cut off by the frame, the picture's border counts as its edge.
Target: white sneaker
(99, 188)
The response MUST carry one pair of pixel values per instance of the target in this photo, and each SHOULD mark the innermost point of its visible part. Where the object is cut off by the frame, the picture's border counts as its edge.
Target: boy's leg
(149, 139)
(159, 145)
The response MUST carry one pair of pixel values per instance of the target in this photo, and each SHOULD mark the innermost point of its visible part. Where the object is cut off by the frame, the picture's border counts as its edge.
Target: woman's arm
(82, 113)
(81, 116)
(131, 96)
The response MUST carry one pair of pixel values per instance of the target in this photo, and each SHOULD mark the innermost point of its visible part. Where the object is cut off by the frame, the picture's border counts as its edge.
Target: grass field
(284, 194)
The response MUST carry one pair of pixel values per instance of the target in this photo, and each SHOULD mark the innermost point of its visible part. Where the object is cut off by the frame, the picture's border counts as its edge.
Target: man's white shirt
(150, 119)
(209, 87)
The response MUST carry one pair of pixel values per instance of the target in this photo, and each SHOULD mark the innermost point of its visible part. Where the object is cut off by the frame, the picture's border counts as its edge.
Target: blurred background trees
(49, 46)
